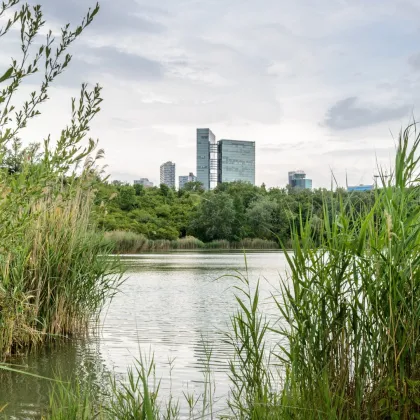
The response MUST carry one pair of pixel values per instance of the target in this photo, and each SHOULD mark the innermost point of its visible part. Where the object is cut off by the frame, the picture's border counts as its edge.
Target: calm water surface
(169, 304)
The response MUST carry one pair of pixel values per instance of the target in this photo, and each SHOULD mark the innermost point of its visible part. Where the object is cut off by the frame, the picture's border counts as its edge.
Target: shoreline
(202, 251)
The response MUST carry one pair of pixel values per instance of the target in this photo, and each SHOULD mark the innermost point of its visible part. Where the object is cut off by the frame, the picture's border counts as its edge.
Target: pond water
(169, 305)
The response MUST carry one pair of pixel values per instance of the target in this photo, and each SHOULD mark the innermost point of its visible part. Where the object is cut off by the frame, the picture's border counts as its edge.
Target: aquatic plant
(352, 303)
(133, 243)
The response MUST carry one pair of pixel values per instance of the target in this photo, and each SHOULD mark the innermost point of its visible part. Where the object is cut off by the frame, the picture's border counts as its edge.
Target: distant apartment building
(144, 181)
(360, 188)
(184, 179)
(167, 174)
(206, 158)
(298, 180)
(236, 161)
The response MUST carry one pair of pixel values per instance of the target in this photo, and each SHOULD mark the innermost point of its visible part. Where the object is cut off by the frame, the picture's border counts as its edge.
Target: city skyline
(314, 86)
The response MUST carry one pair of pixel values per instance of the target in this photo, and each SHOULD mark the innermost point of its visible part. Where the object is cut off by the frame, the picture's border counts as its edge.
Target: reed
(53, 278)
(255, 243)
(137, 396)
(127, 242)
(189, 242)
(352, 304)
(122, 242)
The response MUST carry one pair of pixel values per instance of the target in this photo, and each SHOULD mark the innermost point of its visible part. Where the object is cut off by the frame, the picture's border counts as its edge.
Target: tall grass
(250, 376)
(134, 243)
(53, 279)
(352, 303)
(136, 397)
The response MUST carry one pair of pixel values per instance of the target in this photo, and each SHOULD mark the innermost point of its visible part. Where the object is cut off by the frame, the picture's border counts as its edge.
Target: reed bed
(133, 243)
(135, 397)
(53, 280)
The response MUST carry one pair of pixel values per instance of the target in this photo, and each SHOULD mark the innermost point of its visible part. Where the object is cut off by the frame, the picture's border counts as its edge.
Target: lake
(169, 305)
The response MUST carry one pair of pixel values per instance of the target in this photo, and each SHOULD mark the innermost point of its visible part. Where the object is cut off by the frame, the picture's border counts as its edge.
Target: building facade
(145, 182)
(167, 174)
(360, 188)
(185, 179)
(206, 158)
(236, 161)
(298, 180)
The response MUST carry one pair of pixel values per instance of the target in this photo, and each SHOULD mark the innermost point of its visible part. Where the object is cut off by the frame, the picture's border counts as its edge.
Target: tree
(260, 217)
(127, 198)
(215, 218)
(139, 189)
(195, 186)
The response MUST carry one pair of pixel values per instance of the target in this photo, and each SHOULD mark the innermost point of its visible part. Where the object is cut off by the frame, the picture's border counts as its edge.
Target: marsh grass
(249, 371)
(136, 396)
(134, 243)
(352, 304)
(53, 278)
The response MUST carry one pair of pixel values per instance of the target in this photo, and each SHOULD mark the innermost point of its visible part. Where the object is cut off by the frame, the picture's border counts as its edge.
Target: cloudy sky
(319, 85)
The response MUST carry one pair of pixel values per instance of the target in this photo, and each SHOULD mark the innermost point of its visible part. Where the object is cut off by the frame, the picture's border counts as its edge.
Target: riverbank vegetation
(53, 279)
(121, 242)
(233, 216)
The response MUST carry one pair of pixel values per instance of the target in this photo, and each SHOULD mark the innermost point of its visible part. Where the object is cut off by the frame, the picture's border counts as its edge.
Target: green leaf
(6, 75)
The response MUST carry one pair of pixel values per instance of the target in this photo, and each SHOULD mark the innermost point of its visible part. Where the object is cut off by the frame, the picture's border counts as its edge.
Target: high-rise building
(167, 174)
(186, 178)
(236, 161)
(206, 158)
(297, 179)
(145, 182)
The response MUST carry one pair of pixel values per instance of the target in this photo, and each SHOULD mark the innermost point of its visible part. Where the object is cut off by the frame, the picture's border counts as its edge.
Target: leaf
(6, 75)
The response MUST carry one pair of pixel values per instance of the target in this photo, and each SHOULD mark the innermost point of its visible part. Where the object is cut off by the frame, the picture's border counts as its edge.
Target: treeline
(232, 212)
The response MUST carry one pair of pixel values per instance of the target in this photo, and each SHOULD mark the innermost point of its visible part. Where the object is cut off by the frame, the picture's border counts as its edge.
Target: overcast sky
(319, 85)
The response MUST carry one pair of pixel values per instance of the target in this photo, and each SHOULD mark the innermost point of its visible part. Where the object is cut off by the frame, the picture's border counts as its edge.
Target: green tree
(127, 198)
(215, 218)
(260, 217)
(139, 189)
(195, 186)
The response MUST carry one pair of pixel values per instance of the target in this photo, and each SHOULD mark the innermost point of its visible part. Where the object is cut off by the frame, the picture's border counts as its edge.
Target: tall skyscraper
(206, 158)
(297, 179)
(187, 178)
(236, 161)
(167, 174)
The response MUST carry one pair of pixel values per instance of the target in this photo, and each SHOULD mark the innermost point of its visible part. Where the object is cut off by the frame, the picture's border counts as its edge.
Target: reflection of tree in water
(69, 360)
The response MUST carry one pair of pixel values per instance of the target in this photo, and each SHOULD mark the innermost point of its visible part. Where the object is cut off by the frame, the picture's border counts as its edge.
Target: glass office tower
(206, 158)
(236, 161)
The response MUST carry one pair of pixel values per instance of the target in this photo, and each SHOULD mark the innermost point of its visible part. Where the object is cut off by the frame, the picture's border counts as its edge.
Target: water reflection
(169, 304)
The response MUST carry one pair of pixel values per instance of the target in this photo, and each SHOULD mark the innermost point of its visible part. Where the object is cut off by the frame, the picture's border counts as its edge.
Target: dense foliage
(231, 212)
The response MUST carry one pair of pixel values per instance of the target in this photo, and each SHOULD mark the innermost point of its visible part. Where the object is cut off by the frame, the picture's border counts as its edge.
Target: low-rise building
(298, 180)
(144, 181)
(360, 187)
(183, 179)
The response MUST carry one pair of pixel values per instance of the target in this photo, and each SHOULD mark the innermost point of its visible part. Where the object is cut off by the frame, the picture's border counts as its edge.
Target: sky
(319, 85)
